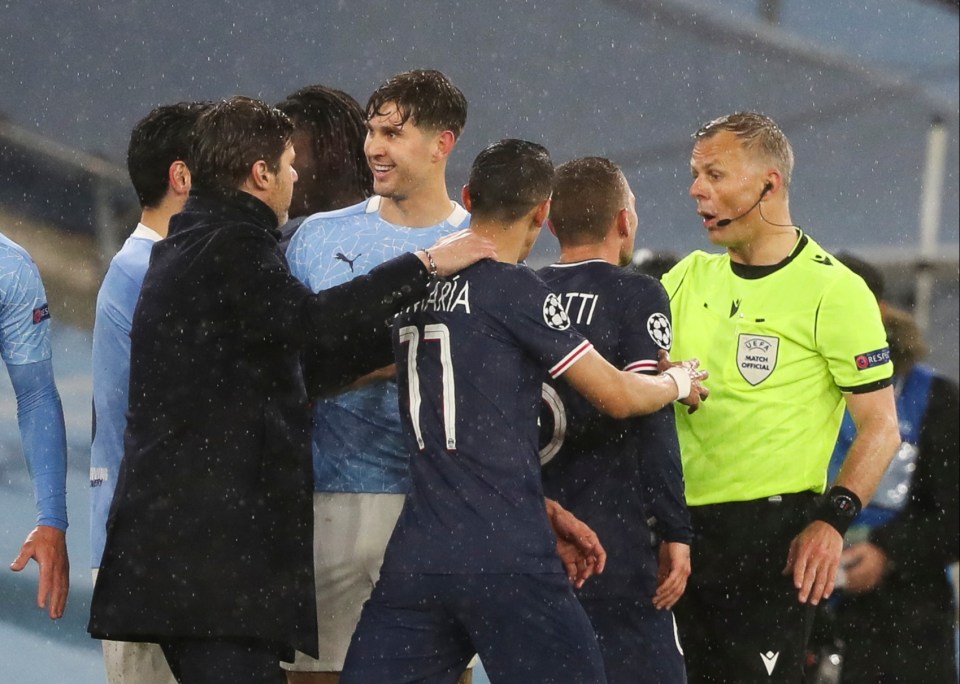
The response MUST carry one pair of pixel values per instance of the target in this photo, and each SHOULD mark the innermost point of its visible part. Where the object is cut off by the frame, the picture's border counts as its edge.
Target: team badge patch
(757, 357)
(41, 313)
(659, 328)
(872, 359)
(554, 315)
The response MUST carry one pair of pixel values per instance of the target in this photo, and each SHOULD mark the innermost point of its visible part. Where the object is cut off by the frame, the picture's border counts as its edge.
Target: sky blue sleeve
(43, 437)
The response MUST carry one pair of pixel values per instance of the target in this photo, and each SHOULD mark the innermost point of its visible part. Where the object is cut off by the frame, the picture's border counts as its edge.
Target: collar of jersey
(754, 272)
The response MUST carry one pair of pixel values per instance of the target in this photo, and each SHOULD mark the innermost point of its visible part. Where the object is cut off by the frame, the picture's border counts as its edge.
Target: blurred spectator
(895, 617)
(653, 263)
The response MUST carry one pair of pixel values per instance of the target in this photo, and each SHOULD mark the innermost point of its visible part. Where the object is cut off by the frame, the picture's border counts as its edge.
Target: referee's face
(727, 184)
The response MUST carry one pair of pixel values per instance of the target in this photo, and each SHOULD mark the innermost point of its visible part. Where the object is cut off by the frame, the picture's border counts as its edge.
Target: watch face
(844, 504)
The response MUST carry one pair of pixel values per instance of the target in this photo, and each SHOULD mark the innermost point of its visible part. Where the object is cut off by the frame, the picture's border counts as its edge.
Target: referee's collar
(749, 272)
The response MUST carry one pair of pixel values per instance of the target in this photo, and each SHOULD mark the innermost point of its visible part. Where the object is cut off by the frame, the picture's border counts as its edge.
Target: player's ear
(623, 223)
(541, 213)
(178, 178)
(446, 141)
(550, 226)
(465, 198)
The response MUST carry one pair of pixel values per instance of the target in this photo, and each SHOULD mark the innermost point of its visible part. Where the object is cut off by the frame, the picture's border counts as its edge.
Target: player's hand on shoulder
(48, 547)
(456, 251)
(697, 392)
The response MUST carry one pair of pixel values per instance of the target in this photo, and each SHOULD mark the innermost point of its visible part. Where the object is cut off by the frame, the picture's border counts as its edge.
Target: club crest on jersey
(41, 313)
(659, 328)
(757, 357)
(554, 314)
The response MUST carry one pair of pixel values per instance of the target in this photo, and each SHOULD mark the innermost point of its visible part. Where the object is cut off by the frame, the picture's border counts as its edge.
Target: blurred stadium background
(867, 90)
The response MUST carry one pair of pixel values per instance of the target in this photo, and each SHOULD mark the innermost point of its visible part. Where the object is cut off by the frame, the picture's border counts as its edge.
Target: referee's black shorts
(740, 621)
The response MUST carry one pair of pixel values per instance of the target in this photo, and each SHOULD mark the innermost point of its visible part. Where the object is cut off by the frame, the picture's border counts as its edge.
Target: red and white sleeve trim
(645, 366)
(578, 353)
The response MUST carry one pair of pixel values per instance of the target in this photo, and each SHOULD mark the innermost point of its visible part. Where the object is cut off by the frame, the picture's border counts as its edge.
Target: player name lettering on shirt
(580, 306)
(446, 295)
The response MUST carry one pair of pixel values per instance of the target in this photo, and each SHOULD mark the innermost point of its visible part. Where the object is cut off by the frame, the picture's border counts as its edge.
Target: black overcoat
(210, 532)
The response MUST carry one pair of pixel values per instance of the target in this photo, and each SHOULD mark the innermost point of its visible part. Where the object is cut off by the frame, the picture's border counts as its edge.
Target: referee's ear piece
(767, 188)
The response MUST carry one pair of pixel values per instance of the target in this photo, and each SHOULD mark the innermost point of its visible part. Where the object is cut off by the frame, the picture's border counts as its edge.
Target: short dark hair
(871, 274)
(758, 133)
(509, 178)
(426, 97)
(157, 141)
(231, 136)
(337, 126)
(587, 194)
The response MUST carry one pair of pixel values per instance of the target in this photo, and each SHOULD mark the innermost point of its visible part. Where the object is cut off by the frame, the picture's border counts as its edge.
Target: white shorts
(130, 662)
(350, 535)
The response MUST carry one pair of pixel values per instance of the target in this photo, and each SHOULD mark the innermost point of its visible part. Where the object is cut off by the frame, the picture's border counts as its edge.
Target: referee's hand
(814, 559)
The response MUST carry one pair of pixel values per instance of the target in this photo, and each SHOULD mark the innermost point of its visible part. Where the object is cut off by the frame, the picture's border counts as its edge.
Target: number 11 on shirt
(434, 332)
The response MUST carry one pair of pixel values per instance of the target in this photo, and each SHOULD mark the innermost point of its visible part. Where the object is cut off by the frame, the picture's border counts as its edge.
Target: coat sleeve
(927, 531)
(343, 332)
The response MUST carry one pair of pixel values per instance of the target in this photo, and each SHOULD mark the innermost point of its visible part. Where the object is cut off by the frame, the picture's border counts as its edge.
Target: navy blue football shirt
(471, 360)
(613, 474)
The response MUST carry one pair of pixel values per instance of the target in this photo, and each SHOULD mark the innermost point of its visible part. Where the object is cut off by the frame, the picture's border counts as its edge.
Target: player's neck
(427, 207)
(157, 218)
(510, 240)
(605, 251)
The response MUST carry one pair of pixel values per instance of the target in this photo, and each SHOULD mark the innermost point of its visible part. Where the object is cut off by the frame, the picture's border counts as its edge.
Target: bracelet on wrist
(432, 265)
(839, 508)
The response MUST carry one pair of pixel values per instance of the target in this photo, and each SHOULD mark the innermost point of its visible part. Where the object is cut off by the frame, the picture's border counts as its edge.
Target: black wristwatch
(839, 508)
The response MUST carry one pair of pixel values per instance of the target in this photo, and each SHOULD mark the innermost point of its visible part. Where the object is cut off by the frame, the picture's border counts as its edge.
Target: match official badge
(554, 314)
(757, 357)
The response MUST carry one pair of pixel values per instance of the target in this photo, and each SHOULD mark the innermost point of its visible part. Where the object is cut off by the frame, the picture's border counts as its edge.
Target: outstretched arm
(621, 394)
(42, 434)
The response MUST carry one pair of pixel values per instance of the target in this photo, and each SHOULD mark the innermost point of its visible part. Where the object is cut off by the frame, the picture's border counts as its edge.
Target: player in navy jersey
(472, 565)
(613, 474)
(412, 125)
(25, 349)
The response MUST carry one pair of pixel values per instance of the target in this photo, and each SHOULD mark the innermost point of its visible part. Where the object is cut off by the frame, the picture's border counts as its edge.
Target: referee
(790, 336)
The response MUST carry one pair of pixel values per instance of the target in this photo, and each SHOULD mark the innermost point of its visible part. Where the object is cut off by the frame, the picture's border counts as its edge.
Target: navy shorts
(639, 643)
(426, 628)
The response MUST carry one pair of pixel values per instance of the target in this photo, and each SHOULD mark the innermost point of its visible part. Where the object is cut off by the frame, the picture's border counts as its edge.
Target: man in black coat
(209, 538)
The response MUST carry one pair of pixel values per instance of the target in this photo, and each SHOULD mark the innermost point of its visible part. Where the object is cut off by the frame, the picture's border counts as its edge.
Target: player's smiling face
(400, 154)
(727, 180)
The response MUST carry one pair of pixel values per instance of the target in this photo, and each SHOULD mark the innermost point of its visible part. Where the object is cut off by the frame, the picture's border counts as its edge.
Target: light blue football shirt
(111, 375)
(357, 439)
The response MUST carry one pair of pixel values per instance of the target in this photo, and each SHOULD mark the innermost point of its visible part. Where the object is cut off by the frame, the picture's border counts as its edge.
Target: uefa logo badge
(554, 315)
(659, 328)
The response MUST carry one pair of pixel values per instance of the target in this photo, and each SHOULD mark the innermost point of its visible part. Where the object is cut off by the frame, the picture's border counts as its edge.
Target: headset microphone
(722, 223)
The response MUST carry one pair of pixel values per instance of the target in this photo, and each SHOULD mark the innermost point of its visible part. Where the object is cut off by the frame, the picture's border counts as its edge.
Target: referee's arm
(815, 553)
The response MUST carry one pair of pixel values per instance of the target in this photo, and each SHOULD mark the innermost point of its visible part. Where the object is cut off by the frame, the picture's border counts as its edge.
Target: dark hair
(336, 125)
(231, 136)
(157, 141)
(587, 194)
(426, 97)
(759, 134)
(871, 274)
(509, 178)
